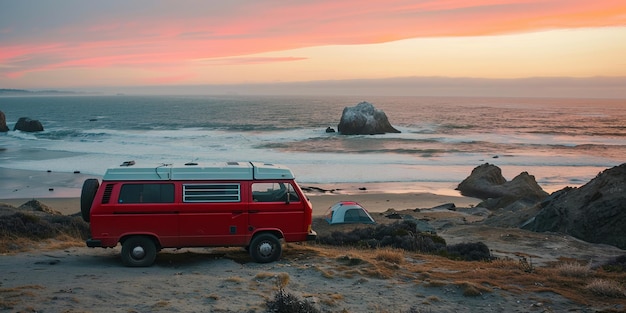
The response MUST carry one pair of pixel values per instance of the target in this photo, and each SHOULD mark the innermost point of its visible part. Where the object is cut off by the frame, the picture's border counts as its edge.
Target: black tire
(138, 251)
(87, 194)
(265, 248)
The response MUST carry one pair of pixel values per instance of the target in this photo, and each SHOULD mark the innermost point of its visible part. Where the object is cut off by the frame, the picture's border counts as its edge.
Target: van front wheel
(138, 251)
(265, 248)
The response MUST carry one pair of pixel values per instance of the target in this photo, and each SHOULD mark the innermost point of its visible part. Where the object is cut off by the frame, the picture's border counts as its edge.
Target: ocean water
(562, 142)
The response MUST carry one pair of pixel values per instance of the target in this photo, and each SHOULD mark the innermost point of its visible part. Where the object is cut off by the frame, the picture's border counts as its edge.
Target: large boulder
(364, 119)
(3, 123)
(486, 182)
(25, 124)
(595, 212)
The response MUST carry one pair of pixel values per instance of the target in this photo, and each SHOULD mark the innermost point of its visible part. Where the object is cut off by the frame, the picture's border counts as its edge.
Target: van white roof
(197, 171)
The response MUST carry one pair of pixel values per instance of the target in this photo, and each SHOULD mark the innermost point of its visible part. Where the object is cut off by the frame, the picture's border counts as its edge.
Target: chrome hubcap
(265, 249)
(138, 252)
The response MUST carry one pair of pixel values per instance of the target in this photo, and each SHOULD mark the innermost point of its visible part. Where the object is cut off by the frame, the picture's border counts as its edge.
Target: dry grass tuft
(234, 279)
(213, 296)
(329, 274)
(394, 256)
(574, 269)
(435, 283)
(281, 279)
(430, 299)
(526, 265)
(10, 297)
(332, 299)
(160, 304)
(263, 275)
(350, 260)
(471, 289)
(606, 288)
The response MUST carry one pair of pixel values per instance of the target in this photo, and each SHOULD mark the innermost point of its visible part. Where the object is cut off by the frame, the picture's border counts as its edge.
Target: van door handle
(253, 211)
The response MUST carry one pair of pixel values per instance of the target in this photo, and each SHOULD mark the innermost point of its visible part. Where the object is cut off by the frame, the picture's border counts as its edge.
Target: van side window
(273, 192)
(211, 193)
(147, 193)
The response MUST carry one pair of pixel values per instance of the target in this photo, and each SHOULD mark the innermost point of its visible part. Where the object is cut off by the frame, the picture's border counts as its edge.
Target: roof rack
(198, 171)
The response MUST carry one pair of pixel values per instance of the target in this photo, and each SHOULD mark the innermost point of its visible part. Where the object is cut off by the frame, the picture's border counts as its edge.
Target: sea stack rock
(25, 124)
(595, 212)
(364, 119)
(486, 182)
(3, 123)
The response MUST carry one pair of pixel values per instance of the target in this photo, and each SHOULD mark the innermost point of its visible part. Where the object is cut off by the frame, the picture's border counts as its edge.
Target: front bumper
(311, 236)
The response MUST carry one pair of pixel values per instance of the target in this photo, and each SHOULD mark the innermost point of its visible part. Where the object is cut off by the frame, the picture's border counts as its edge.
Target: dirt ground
(57, 276)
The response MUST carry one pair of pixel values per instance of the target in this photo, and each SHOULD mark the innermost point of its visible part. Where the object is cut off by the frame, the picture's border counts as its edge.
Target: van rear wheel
(265, 248)
(138, 251)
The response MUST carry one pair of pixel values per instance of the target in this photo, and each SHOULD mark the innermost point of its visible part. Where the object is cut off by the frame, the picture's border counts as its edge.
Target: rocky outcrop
(25, 124)
(364, 119)
(595, 212)
(36, 206)
(486, 182)
(3, 123)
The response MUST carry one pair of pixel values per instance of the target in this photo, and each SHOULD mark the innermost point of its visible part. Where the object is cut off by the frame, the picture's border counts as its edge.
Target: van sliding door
(213, 214)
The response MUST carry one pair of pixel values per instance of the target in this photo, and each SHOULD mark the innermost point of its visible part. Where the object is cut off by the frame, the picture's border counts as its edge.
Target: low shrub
(617, 264)
(285, 302)
(469, 251)
(24, 225)
(399, 235)
(606, 288)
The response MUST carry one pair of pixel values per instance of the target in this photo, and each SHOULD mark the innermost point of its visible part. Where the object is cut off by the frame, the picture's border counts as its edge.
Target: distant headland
(23, 92)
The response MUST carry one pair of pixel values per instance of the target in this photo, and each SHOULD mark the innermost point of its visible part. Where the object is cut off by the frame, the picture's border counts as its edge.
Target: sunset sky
(69, 44)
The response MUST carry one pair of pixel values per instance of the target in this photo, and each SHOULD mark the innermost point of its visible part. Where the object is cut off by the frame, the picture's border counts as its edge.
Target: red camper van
(145, 209)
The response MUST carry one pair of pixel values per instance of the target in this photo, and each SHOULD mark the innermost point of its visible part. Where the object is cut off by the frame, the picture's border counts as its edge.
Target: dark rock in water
(3, 123)
(486, 182)
(25, 124)
(330, 130)
(595, 212)
(364, 119)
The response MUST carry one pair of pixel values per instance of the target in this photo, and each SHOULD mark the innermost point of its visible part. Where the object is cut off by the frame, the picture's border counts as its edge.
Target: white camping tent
(345, 212)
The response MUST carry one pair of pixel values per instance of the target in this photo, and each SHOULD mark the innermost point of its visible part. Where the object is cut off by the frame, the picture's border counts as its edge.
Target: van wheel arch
(266, 247)
(87, 195)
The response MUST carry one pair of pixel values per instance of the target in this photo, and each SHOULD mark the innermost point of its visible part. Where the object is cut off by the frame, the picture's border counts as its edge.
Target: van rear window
(211, 193)
(147, 193)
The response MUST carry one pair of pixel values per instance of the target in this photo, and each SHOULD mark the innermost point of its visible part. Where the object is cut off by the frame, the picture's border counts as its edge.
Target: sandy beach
(62, 192)
(69, 277)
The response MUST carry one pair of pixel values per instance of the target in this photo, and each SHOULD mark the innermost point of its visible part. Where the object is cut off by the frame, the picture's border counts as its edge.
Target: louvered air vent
(107, 193)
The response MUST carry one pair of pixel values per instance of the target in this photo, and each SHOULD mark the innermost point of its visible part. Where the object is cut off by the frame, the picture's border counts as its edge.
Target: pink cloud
(249, 60)
(162, 36)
